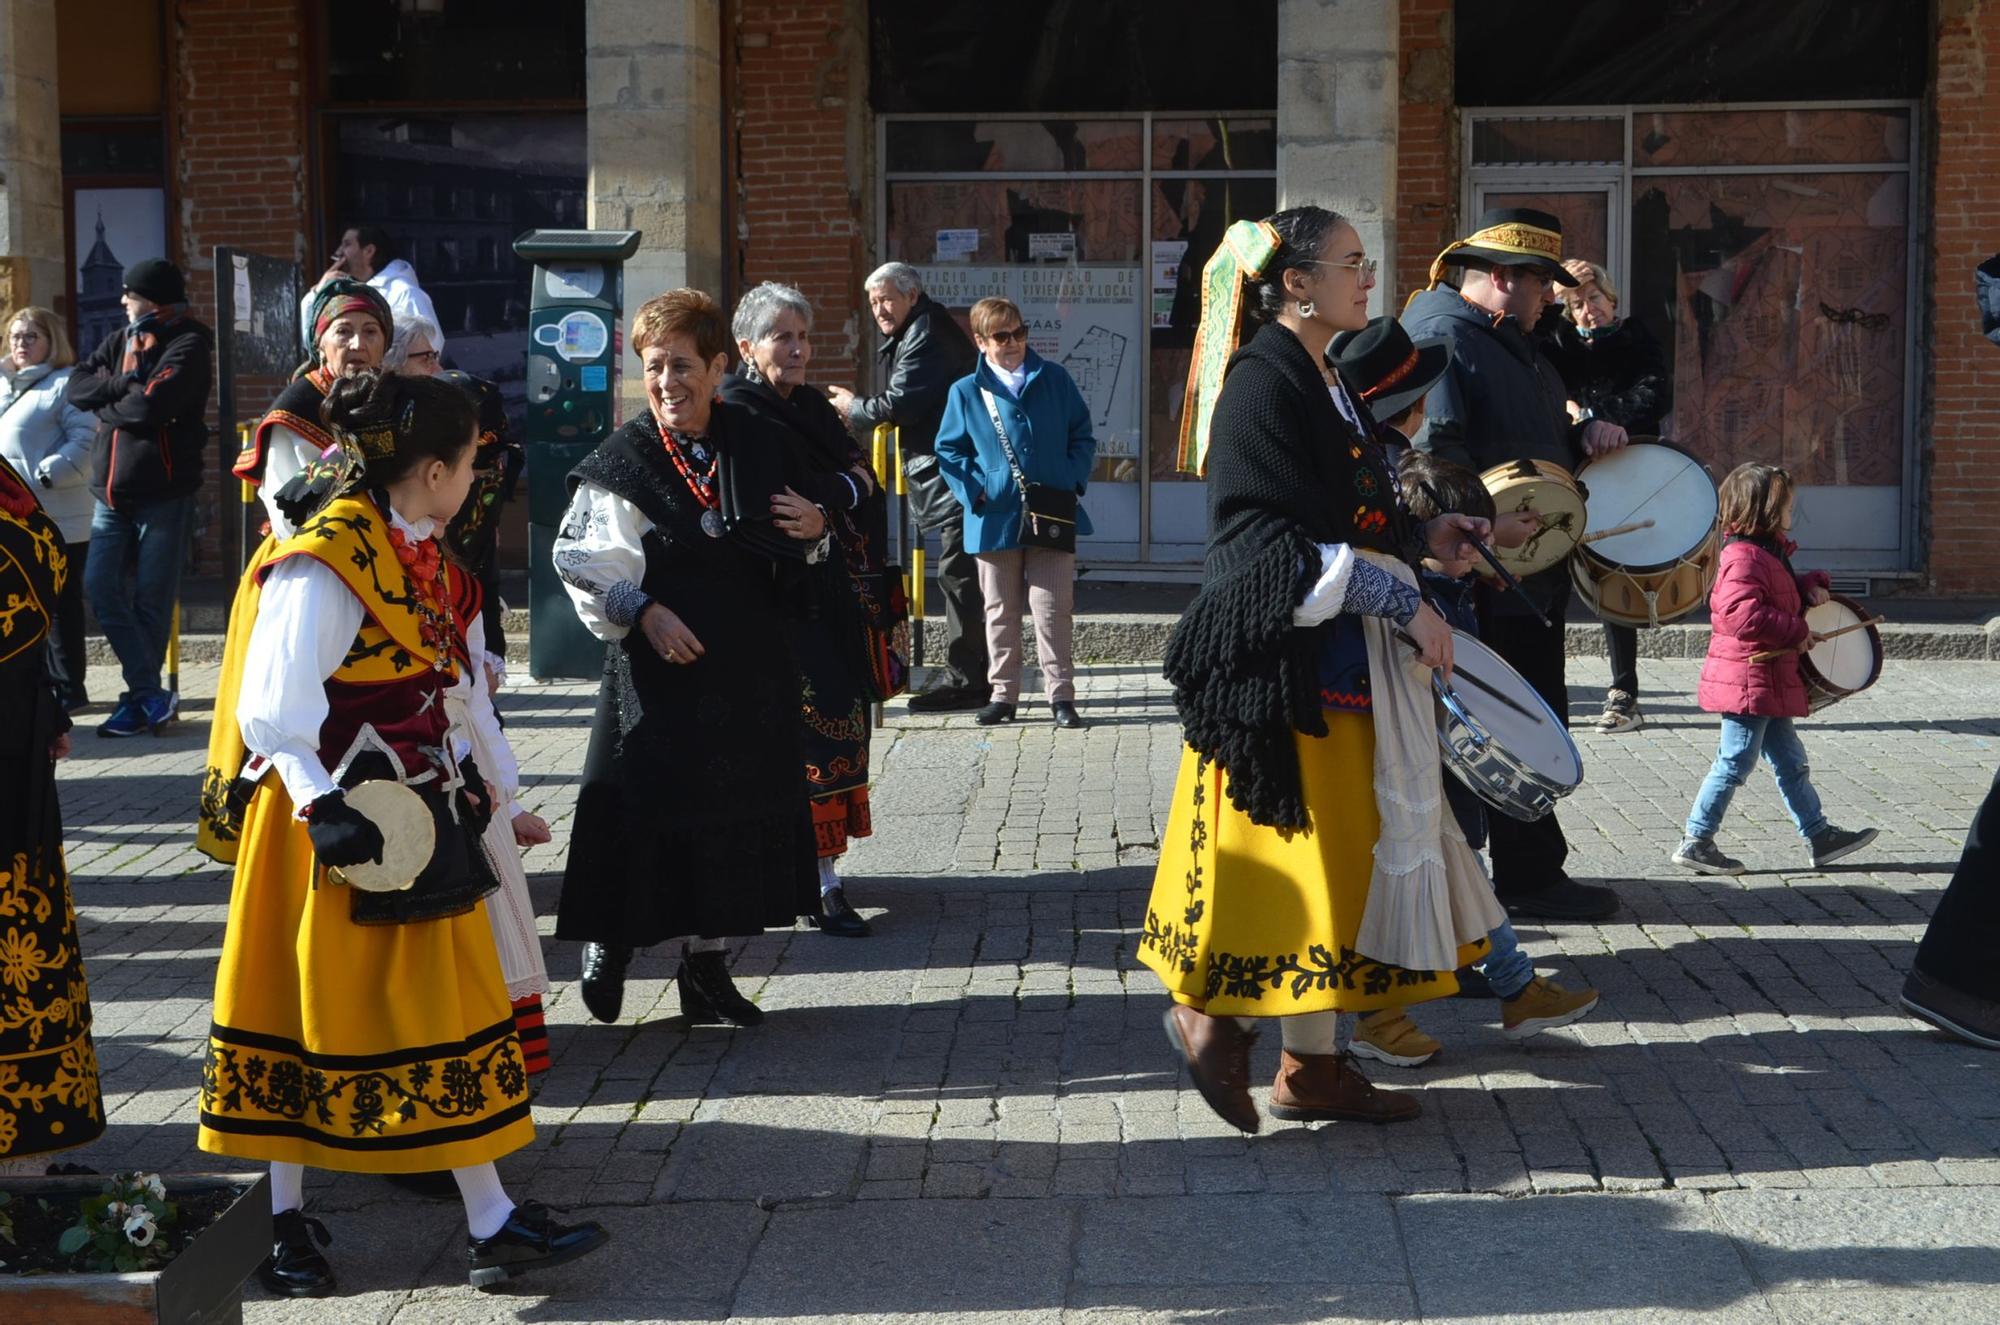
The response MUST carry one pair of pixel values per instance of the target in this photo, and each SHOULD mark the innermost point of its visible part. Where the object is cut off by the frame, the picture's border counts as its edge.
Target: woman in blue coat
(1047, 425)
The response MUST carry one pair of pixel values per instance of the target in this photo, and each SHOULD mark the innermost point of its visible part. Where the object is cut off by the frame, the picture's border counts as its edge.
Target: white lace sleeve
(306, 621)
(1329, 593)
(286, 455)
(600, 560)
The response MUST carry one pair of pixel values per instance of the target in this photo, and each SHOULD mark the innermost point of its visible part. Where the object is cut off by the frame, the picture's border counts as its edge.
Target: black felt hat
(1385, 367)
(158, 280)
(1513, 237)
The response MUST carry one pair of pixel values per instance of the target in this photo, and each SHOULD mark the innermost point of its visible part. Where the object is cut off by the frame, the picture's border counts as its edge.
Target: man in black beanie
(148, 386)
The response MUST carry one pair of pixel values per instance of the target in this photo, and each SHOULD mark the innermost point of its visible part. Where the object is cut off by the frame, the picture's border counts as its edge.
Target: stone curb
(1139, 638)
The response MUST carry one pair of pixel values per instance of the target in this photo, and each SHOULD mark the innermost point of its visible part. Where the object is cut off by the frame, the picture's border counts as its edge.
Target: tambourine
(409, 837)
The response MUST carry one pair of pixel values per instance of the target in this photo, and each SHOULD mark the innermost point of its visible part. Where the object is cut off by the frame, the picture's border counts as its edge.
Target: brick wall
(798, 154)
(1426, 146)
(1964, 473)
(236, 133)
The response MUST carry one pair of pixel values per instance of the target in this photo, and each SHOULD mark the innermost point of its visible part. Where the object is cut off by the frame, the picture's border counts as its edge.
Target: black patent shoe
(529, 1240)
(295, 1267)
(708, 995)
(837, 918)
(604, 979)
(1067, 716)
(994, 714)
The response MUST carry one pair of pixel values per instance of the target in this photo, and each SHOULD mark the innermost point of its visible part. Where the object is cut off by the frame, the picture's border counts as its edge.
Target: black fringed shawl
(1285, 472)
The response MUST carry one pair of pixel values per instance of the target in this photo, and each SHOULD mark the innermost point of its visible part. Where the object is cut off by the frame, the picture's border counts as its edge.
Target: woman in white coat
(47, 440)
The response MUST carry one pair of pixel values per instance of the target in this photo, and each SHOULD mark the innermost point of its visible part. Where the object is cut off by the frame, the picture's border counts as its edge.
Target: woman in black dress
(683, 547)
(773, 328)
(49, 1096)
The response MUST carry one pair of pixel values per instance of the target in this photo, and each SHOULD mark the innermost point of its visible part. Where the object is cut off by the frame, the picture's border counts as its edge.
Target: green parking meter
(574, 306)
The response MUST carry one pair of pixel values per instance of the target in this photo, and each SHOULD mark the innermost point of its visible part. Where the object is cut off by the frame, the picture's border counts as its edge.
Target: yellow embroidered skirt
(220, 823)
(1248, 921)
(366, 1048)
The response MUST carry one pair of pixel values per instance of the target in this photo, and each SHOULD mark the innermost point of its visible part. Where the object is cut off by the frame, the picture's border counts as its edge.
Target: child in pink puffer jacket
(1758, 604)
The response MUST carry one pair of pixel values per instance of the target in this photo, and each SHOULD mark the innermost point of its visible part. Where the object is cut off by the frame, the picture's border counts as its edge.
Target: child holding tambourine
(1757, 607)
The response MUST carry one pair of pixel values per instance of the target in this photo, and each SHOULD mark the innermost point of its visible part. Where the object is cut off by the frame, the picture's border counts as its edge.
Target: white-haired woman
(47, 440)
(1615, 371)
(773, 331)
(413, 351)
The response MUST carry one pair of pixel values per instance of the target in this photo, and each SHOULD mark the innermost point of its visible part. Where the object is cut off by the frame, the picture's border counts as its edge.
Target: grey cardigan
(48, 440)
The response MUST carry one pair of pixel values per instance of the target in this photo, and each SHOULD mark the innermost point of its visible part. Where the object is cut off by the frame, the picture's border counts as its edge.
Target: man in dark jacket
(924, 352)
(148, 386)
(1503, 400)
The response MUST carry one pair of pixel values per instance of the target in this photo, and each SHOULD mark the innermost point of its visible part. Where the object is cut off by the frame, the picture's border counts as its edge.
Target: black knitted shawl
(1285, 472)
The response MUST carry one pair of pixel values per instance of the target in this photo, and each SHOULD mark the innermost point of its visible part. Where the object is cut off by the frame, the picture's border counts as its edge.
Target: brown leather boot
(1315, 1088)
(1217, 1052)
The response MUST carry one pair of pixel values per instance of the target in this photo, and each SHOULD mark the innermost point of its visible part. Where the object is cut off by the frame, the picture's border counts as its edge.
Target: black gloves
(341, 834)
(475, 789)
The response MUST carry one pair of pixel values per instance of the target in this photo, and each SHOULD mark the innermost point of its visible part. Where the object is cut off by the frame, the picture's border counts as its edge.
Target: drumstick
(1770, 655)
(1506, 577)
(1463, 675)
(1616, 530)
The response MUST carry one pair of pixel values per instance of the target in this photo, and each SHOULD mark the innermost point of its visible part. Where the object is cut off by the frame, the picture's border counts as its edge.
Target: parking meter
(575, 304)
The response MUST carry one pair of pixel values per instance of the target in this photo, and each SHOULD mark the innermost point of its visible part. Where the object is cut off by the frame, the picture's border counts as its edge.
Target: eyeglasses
(421, 356)
(1009, 336)
(24, 337)
(1366, 267)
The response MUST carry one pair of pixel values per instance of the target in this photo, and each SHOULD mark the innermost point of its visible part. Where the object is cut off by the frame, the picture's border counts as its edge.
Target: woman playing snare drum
(1310, 867)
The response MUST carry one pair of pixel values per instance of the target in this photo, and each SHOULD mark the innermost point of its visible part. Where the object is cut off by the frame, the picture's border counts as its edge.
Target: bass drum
(1548, 491)
(1648, 577)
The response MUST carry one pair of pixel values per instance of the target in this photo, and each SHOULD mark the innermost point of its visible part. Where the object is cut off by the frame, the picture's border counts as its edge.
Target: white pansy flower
(140, 1229)
(154, 1187)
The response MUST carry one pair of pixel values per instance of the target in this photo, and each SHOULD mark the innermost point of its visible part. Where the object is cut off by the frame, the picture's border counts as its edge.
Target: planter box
(201, 1286)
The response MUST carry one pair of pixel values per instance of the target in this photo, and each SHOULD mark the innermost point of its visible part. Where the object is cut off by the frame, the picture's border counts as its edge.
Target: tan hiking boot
(1324, 1087)
(1389, 1036)
(1542, 1006)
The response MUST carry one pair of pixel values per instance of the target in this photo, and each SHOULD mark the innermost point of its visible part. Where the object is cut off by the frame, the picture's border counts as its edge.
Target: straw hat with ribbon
(1247, 249)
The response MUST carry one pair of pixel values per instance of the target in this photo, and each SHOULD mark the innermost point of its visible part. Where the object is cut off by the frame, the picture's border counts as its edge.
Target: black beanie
(158, 280)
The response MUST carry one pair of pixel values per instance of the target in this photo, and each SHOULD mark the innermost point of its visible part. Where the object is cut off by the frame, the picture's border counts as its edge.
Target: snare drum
(1648, 577)
(1548, 491)
(1847, 665)
(1500, 737)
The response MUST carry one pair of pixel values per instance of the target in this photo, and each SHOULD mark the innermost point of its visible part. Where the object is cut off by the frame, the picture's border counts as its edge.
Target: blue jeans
(133, 577)
(1743, 738)
(1506, 967)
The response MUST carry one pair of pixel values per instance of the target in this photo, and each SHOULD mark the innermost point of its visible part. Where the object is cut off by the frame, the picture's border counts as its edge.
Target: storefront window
(1770, 137)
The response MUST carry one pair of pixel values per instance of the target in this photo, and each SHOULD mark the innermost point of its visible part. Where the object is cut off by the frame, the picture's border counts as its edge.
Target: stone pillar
(31, 200)
(654, 85)
(1337, 111)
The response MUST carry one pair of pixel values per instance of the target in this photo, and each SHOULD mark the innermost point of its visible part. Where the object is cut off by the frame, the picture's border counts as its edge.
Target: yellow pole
(174, 652)
(249, 490)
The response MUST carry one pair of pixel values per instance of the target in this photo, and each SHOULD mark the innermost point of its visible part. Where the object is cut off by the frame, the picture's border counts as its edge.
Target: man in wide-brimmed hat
(1500, 400)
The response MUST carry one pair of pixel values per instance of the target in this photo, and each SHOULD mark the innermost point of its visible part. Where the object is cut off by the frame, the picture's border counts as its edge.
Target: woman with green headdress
(352, 328)
(1308, 869)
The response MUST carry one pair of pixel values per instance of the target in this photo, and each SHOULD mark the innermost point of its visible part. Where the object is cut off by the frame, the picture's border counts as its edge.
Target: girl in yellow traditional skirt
(357, 1030)
(1309, 868)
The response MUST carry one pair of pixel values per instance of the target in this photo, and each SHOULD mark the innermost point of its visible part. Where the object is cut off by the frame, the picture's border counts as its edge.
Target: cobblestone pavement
(973, 1114)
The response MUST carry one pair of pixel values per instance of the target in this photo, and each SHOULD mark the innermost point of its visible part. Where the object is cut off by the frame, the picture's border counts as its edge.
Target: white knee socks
(486, 1202)
(288, 1187)
(829, 878)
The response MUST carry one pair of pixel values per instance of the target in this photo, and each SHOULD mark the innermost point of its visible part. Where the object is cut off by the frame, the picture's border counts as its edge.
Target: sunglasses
(1008, 337)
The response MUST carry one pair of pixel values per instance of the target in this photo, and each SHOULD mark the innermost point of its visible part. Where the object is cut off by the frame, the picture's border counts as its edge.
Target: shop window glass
(1189, 217)
(1215, 144)
(1770, 137)
(1101, 216)
(1536, 142)
(1056, 146)
(1782, 300)
(453, 51)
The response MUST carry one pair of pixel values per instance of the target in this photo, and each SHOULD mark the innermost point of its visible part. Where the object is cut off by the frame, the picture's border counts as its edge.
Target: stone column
(654, 85)
(31, 200)
(1337, 106)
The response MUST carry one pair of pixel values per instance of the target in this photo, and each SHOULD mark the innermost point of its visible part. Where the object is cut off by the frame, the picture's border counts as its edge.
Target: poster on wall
(113, 229)
(1088, 319)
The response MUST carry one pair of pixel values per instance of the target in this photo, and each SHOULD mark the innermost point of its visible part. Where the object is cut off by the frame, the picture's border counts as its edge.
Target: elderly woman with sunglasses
(1047, 442)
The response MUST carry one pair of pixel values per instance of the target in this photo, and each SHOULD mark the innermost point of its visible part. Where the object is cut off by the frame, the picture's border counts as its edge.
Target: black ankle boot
(709, 997)
(604, 979)
(295, 1267)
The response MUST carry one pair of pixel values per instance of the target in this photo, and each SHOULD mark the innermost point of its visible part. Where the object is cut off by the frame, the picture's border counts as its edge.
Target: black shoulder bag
(1048, 514)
